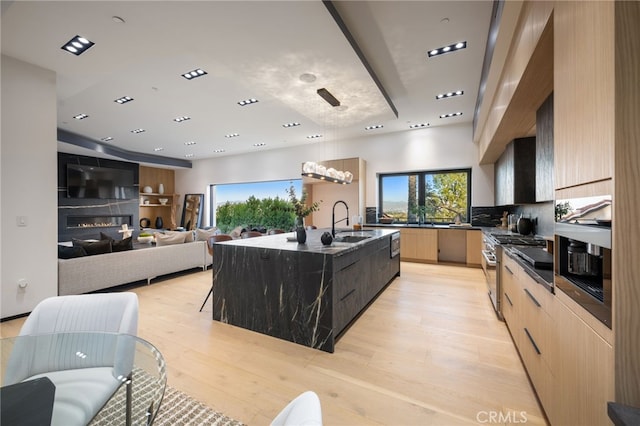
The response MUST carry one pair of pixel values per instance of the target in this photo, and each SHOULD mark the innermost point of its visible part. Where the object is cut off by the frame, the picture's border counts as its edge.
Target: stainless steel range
(494, 244)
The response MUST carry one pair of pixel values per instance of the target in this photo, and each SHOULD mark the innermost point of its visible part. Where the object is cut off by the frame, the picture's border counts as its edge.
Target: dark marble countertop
(423, 226)
(287, 241)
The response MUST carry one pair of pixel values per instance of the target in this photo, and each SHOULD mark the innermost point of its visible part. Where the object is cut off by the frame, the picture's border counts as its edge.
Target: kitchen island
(304, 293)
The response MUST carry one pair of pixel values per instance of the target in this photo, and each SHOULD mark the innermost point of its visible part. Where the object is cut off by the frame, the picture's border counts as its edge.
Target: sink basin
(352, 238)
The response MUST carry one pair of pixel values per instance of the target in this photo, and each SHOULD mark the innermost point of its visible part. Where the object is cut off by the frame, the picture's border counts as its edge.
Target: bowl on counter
(145, 239)
(386, 220)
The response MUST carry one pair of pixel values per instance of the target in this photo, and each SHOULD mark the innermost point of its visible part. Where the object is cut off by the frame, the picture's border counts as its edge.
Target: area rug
(176, 409)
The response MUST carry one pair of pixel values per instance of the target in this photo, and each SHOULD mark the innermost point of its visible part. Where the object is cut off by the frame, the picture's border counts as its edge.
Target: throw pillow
(65, 252)
(93, 247)
(204, 234)
(169, 239)
(118, 245)
(188, 235)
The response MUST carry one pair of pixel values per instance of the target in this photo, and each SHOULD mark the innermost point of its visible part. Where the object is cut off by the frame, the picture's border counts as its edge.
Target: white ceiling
(250, 50)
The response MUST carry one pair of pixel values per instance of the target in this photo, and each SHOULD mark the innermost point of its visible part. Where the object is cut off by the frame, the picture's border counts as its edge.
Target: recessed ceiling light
(107, 139)
(80, 116)
(188, 155)
(232, 135)
(418, 126)
(158, 149)
(181, 119)
(376, 126)
(123, 100)
(138, 131)
(77, 45)
(290, 125)
(259, 144)
(447, 49)
(194, 74)
(190, 143)
(452, 114)
(314, 136)
(450, 94)
(247, 102)
(218, 150)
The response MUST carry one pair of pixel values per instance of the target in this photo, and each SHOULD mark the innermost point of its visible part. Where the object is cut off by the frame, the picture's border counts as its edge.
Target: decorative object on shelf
(147, 190)
(161, 189)
(318, 171)
(145, 222)
(159, 223)
(163, 201)
(326, 238)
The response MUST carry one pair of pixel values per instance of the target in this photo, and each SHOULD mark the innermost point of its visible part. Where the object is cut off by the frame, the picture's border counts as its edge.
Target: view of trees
(254, 213)
(427, 196)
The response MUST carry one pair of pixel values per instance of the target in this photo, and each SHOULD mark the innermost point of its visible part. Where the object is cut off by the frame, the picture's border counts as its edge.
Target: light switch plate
(21, 220)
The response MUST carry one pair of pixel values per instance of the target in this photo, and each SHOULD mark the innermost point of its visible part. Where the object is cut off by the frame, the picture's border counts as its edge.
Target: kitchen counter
(540, 275)
(304, 293)
(423, 226)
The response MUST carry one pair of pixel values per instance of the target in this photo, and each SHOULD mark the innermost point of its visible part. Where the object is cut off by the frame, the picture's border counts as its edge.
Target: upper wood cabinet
(544, 152)
(515, 173)
(584, 92)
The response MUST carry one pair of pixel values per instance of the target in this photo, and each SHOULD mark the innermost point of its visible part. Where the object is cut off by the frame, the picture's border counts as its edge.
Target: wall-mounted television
(100, 182)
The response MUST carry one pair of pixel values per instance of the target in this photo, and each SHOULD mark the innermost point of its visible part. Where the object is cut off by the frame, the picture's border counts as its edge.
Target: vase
(301, 235)
(301, 232)
(159, 222)
(161, 189)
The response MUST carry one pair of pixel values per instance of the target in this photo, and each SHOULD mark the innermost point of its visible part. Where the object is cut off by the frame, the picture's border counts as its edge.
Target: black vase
(301, 235)
(326, 238)
(159, 223)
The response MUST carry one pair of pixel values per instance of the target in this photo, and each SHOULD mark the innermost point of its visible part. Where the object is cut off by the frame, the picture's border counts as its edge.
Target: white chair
(304, 410)
(83, 383)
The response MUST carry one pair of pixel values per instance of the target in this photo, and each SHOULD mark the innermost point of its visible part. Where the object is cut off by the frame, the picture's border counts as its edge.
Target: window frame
(422, 189)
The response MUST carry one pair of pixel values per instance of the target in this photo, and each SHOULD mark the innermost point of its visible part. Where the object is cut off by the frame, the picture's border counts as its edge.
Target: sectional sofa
(98, 272)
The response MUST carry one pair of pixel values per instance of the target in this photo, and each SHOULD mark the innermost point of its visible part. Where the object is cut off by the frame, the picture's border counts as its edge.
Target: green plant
(300, 207)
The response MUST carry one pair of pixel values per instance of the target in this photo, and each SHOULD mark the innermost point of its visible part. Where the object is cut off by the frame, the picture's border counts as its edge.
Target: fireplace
(102, 221)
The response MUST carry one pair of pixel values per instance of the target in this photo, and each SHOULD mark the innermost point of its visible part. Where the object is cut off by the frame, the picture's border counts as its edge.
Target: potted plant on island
(301, 210)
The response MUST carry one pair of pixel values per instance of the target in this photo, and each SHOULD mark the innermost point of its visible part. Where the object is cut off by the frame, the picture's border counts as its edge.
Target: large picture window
(426, 197)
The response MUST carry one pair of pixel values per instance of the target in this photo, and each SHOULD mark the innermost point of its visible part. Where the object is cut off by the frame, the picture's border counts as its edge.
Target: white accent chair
(304, 410)
(83, 384)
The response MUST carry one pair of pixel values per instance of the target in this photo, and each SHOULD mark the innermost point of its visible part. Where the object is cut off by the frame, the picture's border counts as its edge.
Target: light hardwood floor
(428, 351)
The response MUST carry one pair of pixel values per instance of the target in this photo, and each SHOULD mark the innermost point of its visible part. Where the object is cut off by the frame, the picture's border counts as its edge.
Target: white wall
(445, 147)
(28, 186)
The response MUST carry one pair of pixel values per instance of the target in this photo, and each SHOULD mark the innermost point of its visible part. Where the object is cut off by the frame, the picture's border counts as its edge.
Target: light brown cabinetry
(474, 247)
(583, 368)
(568, 362)
(584, 92)
(150, 206)
(419, 245)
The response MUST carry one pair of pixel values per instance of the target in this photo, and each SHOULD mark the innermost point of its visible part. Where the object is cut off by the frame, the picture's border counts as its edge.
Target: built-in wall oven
(582, 267)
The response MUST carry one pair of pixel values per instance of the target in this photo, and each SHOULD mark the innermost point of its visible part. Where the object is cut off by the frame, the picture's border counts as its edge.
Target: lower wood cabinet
(419, 245)
(474, 247)
(569, 364)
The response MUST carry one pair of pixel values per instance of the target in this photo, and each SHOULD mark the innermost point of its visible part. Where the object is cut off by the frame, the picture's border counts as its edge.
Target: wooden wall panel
(626, 205)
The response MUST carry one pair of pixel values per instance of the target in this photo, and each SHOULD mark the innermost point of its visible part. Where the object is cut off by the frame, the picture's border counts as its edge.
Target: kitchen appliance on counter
(492, 253)
(583, 253)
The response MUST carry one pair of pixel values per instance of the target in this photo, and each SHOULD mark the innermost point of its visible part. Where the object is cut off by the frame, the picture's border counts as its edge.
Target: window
(429, 196)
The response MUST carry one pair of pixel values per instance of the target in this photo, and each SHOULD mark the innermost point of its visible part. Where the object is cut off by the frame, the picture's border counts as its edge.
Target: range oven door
(489, 267)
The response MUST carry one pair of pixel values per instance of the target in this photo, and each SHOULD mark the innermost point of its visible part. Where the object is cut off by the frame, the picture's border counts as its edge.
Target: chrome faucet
(333, 217)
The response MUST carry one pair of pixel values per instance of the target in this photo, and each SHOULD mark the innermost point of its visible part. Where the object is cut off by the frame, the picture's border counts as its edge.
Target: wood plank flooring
(428, 351)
